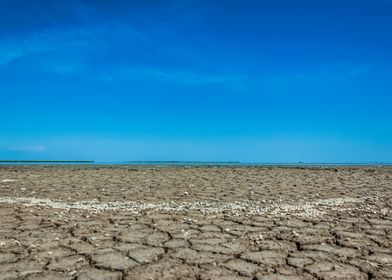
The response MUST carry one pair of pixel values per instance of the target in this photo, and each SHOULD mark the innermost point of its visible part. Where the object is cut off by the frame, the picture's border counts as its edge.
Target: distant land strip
(181, 162)
(46, 161)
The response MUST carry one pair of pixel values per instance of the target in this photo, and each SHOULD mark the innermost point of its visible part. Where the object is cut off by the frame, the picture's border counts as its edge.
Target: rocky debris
(300, 208)
(7, 180)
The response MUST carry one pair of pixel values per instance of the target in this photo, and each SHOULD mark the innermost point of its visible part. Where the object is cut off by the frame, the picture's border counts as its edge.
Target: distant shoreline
(47, 161)
(192, 163)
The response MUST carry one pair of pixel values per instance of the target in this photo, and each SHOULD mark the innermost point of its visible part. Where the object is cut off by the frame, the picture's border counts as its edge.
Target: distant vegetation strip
(46, 161)
(183, 162)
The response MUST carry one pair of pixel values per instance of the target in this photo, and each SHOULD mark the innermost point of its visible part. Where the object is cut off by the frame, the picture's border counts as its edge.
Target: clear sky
(254, 81)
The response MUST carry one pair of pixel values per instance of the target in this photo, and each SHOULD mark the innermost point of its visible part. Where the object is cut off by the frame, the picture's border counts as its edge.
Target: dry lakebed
(195, 222)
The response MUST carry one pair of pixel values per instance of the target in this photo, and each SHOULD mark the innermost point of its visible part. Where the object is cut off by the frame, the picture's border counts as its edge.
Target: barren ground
(128, 222)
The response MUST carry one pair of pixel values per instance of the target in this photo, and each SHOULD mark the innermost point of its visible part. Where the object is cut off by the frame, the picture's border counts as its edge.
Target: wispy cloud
(336, 73)
(79, 49)
(38, 148)
(17, 46)
(175, 76)
(237, 81)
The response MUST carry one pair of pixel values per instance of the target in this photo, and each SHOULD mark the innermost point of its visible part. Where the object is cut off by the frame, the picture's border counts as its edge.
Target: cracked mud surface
(127, 222)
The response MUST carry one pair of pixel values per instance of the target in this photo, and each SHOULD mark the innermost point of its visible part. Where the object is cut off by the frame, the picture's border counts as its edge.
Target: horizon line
(179, 162)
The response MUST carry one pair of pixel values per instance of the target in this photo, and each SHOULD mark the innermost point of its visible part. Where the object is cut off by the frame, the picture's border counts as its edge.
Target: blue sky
(254, 81)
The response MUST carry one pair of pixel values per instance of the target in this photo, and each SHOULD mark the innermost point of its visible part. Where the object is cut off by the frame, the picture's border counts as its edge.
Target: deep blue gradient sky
(254, 81)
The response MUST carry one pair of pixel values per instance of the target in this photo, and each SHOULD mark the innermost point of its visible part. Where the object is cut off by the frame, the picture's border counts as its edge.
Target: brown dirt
(127, 222)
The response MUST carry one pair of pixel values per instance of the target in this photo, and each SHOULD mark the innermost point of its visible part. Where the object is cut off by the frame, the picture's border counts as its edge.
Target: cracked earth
(128, 222)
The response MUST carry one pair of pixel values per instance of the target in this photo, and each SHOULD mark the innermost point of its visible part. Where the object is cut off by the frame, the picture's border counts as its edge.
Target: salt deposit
(301, 208)
(8, 180)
